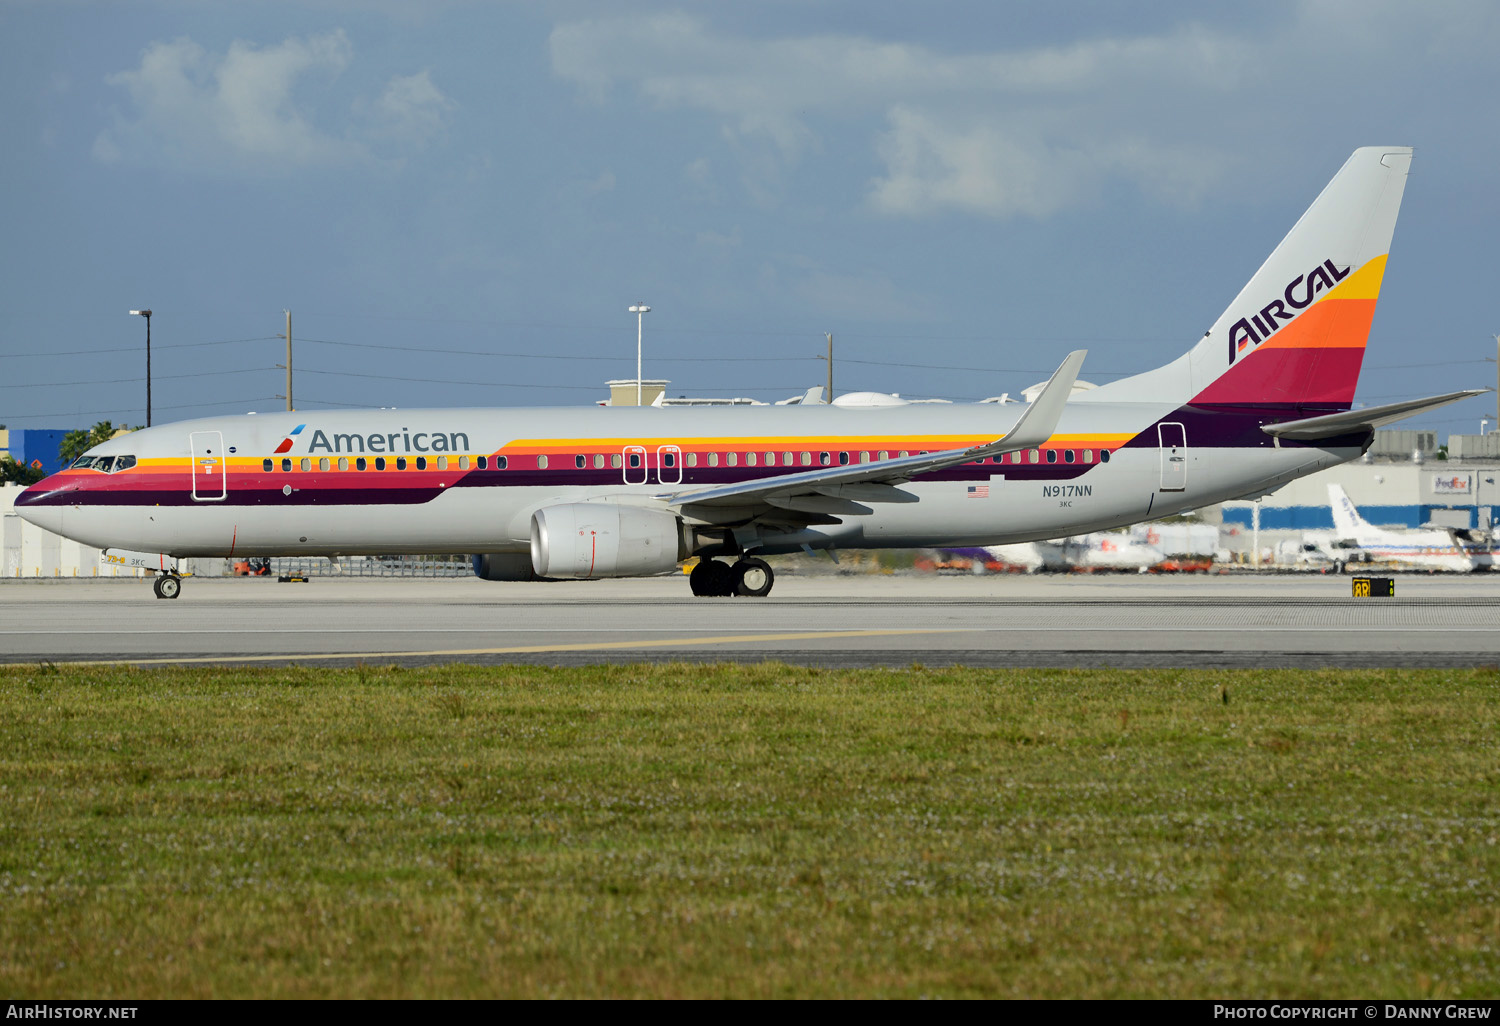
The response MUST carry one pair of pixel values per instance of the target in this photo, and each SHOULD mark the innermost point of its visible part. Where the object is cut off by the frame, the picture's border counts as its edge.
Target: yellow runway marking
(510, 650)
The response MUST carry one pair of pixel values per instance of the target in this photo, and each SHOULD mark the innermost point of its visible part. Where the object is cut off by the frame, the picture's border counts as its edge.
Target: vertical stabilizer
(1347, 522)
(1296, 333)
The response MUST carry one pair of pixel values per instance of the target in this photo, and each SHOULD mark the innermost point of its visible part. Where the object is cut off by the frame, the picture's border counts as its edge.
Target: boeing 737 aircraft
(1264, 396)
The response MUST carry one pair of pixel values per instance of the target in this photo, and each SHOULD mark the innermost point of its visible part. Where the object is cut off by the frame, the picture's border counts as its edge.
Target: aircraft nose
(43, 503)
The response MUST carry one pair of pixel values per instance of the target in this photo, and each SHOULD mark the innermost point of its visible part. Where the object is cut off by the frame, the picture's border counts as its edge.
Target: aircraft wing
(872, 481)
(1367, 419)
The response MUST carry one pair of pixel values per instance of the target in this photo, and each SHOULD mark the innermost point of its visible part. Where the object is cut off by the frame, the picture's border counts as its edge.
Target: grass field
(748, 831)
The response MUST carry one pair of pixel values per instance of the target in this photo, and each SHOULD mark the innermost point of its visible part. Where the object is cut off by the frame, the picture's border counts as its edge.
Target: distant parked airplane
(1357, 540)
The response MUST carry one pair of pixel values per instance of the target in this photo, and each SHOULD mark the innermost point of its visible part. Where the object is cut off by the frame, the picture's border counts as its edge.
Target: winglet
(1040, 419)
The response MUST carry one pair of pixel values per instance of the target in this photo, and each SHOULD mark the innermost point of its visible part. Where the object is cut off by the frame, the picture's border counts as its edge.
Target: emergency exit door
(209, 465)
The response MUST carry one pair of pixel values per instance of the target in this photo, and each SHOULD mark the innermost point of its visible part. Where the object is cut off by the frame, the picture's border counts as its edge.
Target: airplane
(1265, 396)
(1357, 540)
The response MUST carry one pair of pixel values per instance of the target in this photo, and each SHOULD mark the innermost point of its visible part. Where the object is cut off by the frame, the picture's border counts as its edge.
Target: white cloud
(1026, 131)
(412, 110)
(255, 108)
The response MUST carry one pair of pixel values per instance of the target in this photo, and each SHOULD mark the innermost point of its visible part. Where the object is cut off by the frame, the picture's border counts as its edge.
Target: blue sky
(458, 201)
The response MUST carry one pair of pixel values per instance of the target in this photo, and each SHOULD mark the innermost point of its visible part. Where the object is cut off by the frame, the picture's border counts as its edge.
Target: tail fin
(1346, 519)
(1296, 333)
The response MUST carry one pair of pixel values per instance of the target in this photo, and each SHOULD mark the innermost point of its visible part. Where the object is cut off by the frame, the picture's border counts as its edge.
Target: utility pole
(288, 364)
(829, 336)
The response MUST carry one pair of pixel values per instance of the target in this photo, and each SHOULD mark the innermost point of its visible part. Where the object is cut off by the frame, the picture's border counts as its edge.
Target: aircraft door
(668, 464)
(210, 466)
(634, 464)
(1173, 439)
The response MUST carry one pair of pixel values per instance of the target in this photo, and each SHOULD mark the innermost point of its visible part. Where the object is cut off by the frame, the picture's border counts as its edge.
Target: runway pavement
(1002, 620)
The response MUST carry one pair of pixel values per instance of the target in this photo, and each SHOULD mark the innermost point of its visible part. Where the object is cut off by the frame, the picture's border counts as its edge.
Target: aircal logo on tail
(1298, 294)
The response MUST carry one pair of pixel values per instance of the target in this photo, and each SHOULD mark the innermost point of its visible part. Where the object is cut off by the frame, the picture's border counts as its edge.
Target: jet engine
(504, 566)
(601, 539)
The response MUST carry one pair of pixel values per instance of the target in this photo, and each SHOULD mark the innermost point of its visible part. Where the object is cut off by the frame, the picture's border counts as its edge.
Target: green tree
(76, 443)
(12, 472)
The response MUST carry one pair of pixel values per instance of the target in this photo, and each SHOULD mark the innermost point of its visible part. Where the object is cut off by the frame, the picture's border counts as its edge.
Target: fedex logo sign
(1298, 294)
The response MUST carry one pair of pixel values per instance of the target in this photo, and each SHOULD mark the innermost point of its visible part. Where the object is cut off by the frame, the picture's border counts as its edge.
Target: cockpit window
(107, 464)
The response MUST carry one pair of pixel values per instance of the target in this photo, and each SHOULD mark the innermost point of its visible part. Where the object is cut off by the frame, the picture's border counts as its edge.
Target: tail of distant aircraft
(1295, 335)
(1347, 522)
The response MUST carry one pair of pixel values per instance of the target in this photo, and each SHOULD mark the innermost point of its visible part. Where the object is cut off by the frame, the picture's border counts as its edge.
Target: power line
(128, 381)
(136, 349)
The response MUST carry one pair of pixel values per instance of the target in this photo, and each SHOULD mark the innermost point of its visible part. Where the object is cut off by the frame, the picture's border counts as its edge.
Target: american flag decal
(979, 491)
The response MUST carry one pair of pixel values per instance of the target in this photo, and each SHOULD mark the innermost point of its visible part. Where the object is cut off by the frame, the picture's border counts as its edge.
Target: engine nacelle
(600, 539)
(504, 566)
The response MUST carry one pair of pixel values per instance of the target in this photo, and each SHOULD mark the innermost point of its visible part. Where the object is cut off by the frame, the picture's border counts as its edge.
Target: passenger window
(360, 464)
(1103, 455)
(1088, 455)
(884, 455)
(904, 454)
(343, 463)
(1034, 456)
(267, 465)
(579, 462)
(807, 459)
(286, 466)
(483, 463)
(1051, 455)
(463, 463)
(322, 462)
(541, 463)
(501, 462)
(379, 462)
(1068, 456)
(421, 462)
(713, 459)
(864, 457)
(786, 459)
(400, 462)
(598, 461)
(731, 459)
(843, 459)
(692, 459)
(635, 461)
(306, 464)
(749, 459)
(442, 463)
(614, 460)
(669, 459)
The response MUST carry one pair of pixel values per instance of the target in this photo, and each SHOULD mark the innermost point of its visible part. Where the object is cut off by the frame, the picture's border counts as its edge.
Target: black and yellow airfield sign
(1374, 587)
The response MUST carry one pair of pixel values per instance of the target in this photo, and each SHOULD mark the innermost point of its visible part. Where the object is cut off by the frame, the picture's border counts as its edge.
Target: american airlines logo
(1298, 294)
(404, 440)
(286, 443)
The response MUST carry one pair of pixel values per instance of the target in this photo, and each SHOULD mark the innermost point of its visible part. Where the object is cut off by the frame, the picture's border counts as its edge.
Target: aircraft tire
(711, 579)
(753, 577)
(167, 586)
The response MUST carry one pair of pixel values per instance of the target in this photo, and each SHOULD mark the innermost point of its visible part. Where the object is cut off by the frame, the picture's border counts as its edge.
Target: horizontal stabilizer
(1368, 419)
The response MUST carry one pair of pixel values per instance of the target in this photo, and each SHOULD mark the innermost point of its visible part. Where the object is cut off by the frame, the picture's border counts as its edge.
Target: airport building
(29, 445)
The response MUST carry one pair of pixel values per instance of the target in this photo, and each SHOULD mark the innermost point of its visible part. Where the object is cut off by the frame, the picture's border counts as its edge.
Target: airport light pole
(146, 314)
(640, 310)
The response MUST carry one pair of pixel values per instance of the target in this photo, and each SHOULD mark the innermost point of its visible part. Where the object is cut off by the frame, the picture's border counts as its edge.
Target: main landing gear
(167, 586)
(751, 577)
